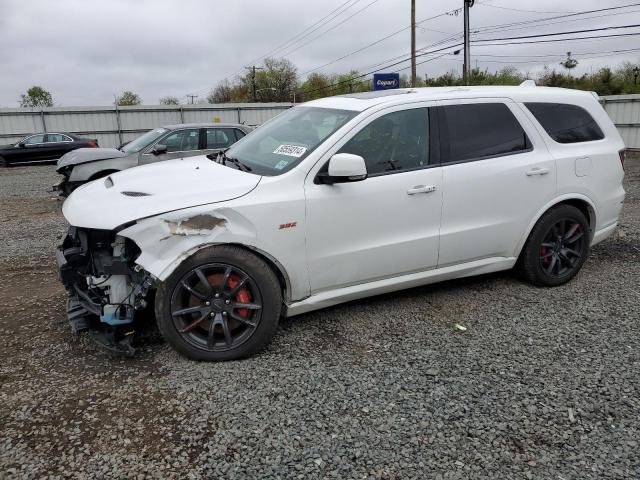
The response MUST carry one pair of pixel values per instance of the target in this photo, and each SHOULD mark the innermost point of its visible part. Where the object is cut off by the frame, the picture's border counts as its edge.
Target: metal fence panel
(624, 111)
(113, 126)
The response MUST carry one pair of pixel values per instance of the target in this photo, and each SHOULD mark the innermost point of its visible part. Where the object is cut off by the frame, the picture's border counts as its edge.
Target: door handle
(421, 189)
(537, 171)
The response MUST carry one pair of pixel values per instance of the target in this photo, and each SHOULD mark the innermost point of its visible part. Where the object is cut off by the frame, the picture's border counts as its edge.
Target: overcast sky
(86, 51)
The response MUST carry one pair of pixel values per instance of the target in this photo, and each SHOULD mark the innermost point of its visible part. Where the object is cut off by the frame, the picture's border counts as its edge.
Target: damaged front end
(108, 292)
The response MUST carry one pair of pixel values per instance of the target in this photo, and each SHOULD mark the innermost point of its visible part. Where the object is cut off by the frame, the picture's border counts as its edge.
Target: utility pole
(192, 98)
(467, 51)
(413, 43)
(253, 81)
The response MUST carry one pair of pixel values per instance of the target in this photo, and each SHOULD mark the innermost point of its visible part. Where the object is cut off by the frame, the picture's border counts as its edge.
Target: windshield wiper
(221, 157)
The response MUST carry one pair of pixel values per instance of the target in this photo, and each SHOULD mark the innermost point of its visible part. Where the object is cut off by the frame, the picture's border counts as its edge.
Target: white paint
(381, 234)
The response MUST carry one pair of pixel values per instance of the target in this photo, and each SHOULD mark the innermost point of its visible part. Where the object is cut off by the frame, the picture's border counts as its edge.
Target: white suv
(339, 199)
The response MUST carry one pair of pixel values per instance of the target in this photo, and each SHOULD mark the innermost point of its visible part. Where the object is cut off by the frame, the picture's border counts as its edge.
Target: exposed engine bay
(107, 291)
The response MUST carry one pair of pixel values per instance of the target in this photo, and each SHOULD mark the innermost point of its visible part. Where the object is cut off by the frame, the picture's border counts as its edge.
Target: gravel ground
(545, 383)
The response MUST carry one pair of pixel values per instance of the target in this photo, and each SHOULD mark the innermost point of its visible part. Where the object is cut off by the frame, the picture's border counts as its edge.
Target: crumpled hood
(154, 189)
(84, 155)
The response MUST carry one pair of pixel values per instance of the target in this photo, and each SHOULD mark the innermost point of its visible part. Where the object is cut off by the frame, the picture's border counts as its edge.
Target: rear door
(218, 138)
(57, 145)
(497, 174)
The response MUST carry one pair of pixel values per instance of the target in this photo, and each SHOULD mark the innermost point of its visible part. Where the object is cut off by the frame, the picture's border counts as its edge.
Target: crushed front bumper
(76, 263)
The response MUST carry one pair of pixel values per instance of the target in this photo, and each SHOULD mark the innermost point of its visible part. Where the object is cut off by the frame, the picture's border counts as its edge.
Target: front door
(35, 149)
(497, 174)
(387, 224)
(179, 143)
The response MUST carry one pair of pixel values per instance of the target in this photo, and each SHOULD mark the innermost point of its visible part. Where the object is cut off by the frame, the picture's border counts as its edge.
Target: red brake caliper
(543, 252)
(242, 296)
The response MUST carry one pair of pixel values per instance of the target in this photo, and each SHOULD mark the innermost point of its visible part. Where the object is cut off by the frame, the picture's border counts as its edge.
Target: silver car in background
(163, 143)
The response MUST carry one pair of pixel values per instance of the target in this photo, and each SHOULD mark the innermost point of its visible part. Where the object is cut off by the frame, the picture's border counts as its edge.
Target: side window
(566, 123)
(182, 140)
(220, 138)
(394, 142)
(480, 130)
(57, 137)
(34, 139)
(239, 134)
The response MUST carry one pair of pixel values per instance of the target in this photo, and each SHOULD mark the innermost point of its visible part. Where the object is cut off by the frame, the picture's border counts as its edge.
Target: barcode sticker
(290, 150)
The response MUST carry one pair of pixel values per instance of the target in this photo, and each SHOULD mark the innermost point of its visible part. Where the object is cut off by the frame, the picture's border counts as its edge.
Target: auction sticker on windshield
(290, 150)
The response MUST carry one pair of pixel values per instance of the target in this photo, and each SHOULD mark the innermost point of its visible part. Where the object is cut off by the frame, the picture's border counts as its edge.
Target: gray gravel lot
(545, 383)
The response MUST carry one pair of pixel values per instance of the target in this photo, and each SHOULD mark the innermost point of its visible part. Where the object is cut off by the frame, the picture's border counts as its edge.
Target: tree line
(277, 80)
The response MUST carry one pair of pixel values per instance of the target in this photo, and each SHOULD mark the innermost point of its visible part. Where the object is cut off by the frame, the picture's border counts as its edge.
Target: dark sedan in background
(42, 147)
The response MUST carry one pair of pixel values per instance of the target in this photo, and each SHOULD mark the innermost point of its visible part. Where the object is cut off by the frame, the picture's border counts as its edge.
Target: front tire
(557, 247)
(222, 303)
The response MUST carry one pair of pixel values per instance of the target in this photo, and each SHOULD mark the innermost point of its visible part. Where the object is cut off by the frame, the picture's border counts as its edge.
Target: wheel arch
(581, 202)
(277, 267)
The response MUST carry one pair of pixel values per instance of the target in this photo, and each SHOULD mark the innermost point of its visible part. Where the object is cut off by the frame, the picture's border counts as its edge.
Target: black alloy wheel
(222, 303)
(557, 247)
(562, 248)
(216, 307)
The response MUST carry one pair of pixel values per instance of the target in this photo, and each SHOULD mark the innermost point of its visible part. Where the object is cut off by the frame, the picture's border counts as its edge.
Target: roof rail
(528, 83)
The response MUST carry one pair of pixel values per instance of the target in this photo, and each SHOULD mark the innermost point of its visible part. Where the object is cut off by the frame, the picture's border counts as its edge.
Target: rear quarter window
(566, 123)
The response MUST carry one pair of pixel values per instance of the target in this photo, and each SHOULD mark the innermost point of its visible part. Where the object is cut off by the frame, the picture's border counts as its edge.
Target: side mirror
(159, 149)
(344, 168)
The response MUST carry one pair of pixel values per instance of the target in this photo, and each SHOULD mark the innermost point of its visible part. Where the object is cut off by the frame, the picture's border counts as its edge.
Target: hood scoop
(135, 194)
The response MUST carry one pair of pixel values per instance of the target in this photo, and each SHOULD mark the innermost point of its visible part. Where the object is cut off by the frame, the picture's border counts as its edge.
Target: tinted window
(239, 134)
(480, 130)
(34, 139)
(182, 140)
(566, 123)
(395, 142)
(219, 137)
(57, 137)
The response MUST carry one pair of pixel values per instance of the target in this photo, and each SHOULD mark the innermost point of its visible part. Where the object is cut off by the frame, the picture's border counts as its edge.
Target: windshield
(141, 142)
(282, 143)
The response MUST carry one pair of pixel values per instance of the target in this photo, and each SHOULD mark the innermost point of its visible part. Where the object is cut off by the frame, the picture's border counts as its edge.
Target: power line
(454, 46)
(517, 9)
(478, 30)
(560, 39)
(307, 31)
(529, 22)
(519, 27)
(559, 33)
(302, 34)
(332, 28)
(377, 42)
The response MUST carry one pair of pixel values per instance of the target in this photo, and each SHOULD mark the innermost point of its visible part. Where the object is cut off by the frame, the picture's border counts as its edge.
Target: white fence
(113, 126)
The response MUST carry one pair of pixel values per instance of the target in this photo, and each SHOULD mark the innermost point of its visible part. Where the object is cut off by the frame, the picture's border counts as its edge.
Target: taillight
(623, 154)
(93, 143)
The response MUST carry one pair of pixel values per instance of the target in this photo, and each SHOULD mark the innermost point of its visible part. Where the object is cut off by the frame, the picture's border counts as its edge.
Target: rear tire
(557, 247)
(222, 303)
